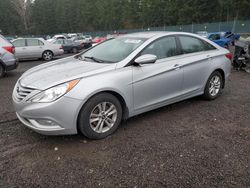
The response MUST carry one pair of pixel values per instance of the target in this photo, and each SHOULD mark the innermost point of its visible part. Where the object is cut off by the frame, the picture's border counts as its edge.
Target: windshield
(113, 51)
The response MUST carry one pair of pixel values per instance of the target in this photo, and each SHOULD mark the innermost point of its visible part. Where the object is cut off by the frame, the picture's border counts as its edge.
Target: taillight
(61, 47)
(229, 56)
(10, 49)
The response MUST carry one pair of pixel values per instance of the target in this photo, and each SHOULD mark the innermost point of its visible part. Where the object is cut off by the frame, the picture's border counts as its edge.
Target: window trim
(202, 41)
(20, 46)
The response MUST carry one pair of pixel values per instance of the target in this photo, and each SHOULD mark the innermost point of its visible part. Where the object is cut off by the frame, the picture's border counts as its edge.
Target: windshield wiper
(94, 59)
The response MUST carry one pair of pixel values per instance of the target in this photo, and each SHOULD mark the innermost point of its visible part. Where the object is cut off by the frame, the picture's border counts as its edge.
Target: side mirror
(146, 59)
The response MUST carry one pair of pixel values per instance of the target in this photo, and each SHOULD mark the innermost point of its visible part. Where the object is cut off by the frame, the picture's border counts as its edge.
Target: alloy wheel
(47, 56)
(214, 85)
(103, 117)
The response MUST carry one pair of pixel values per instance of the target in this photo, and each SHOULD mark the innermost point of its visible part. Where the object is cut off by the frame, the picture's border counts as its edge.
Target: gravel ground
(194, 143)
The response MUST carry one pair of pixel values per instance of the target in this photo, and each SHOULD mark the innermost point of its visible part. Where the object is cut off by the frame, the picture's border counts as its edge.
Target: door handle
(177, 66)
(209, 57)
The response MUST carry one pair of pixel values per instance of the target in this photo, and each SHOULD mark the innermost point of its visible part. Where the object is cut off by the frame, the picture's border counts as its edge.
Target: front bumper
(61, 116)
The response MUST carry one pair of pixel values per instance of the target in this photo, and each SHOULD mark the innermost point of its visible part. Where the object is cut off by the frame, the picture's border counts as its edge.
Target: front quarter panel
(118, 80)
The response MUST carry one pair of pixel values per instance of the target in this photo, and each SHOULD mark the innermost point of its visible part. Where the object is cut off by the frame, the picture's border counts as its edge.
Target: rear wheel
(2, 71)
(47, 55)
(100, 116)
(214, 86)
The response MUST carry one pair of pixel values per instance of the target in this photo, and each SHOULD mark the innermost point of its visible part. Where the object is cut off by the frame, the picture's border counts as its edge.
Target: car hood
(53, 73)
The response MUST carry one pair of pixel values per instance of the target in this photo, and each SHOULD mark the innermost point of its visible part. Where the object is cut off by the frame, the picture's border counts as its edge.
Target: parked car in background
(219, 39)
(224, 39)
(87, 38)
(8, 60)
(55, 37)
(97, 40)
(29, 48)
(92, 92)
(71, 35)
(70, 46)
(86, 41)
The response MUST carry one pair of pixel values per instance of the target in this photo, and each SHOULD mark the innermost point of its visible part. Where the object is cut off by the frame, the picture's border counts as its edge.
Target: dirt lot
(194, 143)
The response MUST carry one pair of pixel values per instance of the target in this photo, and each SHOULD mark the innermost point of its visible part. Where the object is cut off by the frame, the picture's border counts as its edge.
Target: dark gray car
(8, 60)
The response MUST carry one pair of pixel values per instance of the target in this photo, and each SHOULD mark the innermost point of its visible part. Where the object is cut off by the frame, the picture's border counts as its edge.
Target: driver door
(158, 83)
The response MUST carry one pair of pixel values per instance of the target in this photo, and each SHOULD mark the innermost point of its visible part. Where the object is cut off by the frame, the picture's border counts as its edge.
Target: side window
(208, 46)
(191, 44)
(162, 48)
(59, 41)
(19, 43)
(32, 42)
(40, 43)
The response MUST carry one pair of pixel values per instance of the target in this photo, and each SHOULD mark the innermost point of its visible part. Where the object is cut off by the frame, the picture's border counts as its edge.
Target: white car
(56, 37)
(29, 48)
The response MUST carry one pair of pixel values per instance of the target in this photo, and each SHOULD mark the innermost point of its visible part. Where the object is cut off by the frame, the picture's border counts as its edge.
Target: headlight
(54, 93)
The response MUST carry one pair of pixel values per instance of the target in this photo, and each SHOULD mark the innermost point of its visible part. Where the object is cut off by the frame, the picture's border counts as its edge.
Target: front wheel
(214, 86)
(100, 116)
(47, 55)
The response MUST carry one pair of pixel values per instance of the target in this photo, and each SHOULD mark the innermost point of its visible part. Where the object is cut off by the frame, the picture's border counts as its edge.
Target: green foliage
(59, 16)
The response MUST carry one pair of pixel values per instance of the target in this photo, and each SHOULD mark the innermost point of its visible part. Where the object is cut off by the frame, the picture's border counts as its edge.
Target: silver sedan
(29, 48)
(92, 92)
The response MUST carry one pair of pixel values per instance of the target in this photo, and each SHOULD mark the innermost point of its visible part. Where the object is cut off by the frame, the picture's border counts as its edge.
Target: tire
(74, 50)
(213, 86)
(2, 71)
(93, 111)
(47, 55)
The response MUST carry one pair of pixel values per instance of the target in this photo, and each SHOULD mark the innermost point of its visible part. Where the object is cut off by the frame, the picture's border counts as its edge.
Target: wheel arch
(221, 71)
(125, 110)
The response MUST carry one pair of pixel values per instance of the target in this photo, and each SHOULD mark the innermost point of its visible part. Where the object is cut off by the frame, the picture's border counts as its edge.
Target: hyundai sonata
(92, 92)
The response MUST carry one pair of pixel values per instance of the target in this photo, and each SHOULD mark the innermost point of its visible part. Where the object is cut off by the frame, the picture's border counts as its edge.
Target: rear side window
(40, 43)
(192, 45)
(33, 42)
(19, 43)
(208, 46)
(162, 48)
(59, 41)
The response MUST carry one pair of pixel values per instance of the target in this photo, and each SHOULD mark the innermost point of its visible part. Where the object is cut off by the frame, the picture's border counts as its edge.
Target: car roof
(29, 38)
(151, 34)
(147, 34)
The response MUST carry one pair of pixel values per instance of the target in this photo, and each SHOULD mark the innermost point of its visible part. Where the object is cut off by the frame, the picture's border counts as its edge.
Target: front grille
(22, 92)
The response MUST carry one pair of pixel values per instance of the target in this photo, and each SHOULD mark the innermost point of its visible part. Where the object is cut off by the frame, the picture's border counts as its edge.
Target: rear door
(196, 63)
(20, 48)
(34, 48)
